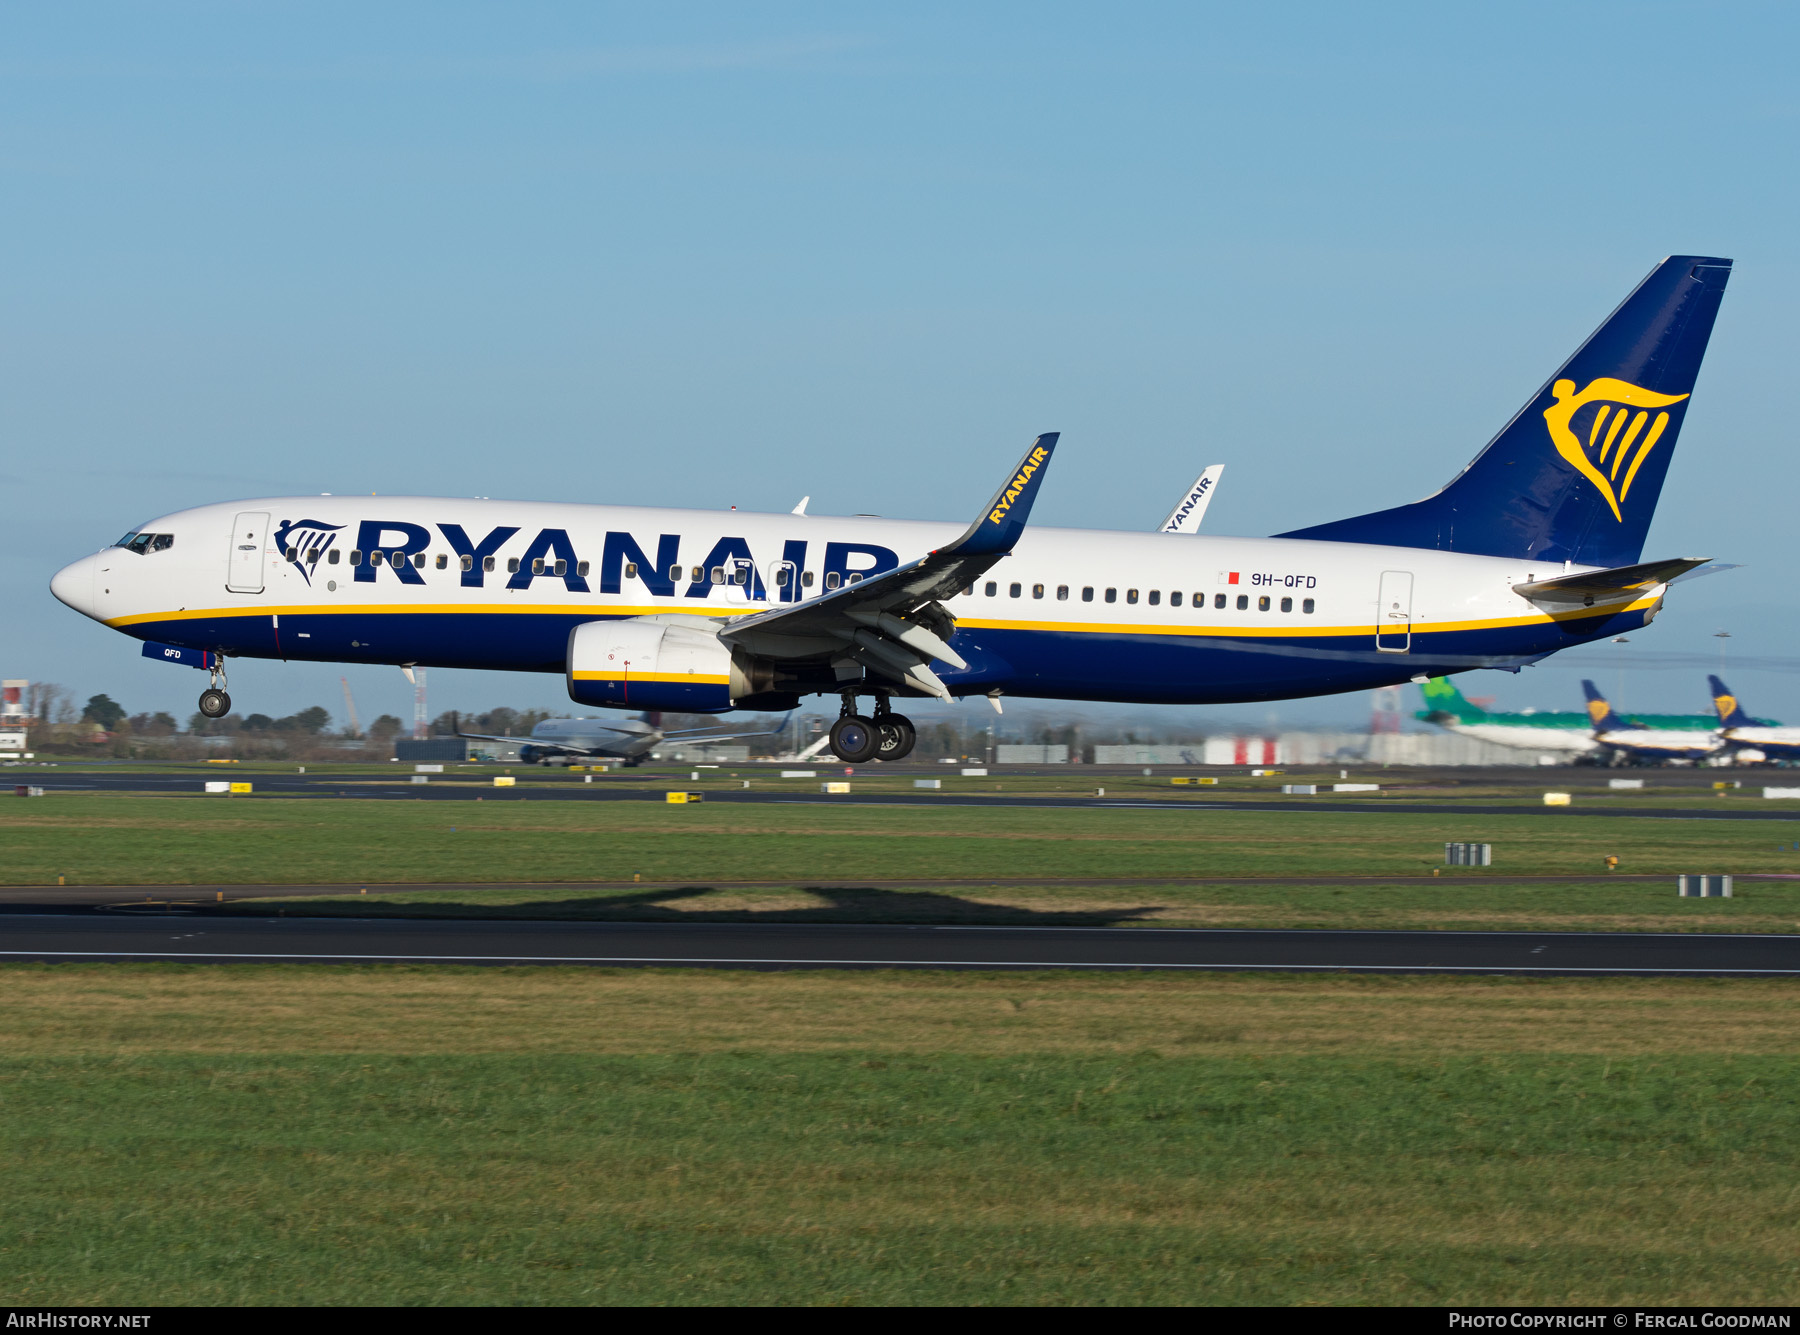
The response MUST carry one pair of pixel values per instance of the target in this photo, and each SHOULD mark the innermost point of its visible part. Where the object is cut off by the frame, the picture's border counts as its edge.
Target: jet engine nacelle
(677, 665)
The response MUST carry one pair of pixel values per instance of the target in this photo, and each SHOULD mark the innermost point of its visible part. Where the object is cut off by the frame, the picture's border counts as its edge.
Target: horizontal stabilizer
(1620, 584)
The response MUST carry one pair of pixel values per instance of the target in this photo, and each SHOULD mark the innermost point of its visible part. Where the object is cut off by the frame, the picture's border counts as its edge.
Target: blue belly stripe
(1058, 664)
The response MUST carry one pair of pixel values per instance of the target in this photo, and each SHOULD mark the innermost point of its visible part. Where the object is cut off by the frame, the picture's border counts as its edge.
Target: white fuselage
(1653, 744)
(1070, 613)
(1570, 741)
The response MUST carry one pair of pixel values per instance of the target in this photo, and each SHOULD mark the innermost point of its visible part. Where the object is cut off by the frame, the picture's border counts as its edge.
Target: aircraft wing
(1620, 584)
(896, 624)
(1191, 508)
(533, 742)
(539, 743)
(706, 735)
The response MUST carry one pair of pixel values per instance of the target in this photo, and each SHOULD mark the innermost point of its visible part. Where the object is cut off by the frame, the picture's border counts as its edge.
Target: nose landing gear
(214, 703)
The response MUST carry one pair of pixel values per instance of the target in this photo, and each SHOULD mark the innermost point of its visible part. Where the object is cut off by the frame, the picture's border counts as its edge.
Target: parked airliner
(1534, 547)
(569, 741)
(1625, 741)
(1536, 729)
(1745, 734)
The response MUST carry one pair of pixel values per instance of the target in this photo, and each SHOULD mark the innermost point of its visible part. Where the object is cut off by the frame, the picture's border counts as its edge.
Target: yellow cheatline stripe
(409, 609)
(1264, 631)
(689, 678)
(1297, 632)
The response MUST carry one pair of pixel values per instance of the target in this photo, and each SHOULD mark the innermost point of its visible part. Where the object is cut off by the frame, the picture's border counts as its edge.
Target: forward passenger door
(244, 569)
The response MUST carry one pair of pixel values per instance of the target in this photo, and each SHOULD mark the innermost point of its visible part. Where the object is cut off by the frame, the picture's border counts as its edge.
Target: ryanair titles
(1033, 462)
(400, 550)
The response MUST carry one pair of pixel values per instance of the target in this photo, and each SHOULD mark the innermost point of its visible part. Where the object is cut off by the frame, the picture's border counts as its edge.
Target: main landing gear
(855, 740)
(214, 703)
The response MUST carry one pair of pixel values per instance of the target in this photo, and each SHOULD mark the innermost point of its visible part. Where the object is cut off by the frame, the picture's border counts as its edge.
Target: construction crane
(350, 708)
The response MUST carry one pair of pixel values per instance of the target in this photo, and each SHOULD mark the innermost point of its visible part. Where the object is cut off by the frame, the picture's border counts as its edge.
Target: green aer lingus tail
(1534, 730)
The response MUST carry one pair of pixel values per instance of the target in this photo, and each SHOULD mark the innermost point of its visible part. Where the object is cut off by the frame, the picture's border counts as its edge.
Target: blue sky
(729, 255)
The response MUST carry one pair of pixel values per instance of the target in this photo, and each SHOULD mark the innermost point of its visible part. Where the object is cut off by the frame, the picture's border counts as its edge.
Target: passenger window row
(441, 561)
(1154, 598)
(740, 574)
(698, 574)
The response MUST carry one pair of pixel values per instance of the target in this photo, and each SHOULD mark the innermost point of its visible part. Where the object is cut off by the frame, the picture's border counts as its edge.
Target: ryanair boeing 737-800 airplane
(1533, 548)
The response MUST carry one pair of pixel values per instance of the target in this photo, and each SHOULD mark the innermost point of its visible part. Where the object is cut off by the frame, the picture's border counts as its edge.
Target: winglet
(1191, 509)
(1002, 520)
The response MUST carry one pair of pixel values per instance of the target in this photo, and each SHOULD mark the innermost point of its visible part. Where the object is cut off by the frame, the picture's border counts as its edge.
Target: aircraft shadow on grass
(845, 904)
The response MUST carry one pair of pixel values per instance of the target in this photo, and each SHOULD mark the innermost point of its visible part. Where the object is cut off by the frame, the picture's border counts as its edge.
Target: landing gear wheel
(898, 736)
(215, 703)
(855, 739)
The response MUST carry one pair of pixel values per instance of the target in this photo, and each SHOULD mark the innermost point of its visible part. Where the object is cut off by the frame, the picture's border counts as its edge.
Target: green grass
(356, 1136)
(812, 862)
(97, 839)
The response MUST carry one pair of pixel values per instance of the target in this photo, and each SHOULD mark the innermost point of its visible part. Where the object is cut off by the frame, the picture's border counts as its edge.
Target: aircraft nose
(73, 585)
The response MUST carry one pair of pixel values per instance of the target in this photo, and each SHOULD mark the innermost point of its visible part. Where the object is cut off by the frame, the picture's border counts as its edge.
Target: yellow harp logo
(1597, 709)
(1622, 412)
(1726, 705)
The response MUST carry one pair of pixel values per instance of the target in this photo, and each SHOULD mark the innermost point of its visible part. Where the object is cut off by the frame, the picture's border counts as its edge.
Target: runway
(214, 939)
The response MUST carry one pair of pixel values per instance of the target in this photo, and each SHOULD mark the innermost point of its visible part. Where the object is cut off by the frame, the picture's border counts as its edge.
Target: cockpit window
(146, 542)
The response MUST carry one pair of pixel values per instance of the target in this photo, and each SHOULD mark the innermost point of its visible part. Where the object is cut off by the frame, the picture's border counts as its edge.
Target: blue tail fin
(1731, 713)
(1576, 474)
(1601, 713)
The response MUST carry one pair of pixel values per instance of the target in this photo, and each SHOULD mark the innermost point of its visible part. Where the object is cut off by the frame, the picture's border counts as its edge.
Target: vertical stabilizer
(1444, 700)
(1599, 712)
(1731, 713)
(1576, 474)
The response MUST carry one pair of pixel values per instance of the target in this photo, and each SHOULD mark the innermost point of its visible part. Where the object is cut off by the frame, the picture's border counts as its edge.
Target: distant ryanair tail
(1599, 712)
(1731, 713)
(1576, 474)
